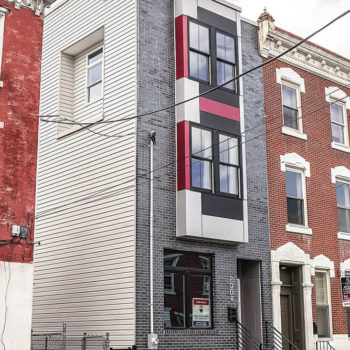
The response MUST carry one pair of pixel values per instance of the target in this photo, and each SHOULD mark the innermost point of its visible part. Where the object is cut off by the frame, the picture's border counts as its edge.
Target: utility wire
(216, 87)
(144, 176)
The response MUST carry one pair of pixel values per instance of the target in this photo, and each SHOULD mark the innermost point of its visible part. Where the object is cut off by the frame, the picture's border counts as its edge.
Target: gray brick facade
(156, 88)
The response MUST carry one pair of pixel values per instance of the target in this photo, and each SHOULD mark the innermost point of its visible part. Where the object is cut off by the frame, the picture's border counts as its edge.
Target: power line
(118, 190)
(216, 87)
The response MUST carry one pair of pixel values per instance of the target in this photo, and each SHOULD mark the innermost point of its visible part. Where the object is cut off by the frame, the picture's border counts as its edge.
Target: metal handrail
(246, 339)
(323, 345)
(278, 339)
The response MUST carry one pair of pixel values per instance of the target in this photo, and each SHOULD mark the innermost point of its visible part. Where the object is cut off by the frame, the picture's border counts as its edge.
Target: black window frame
(215, 163)
(212, 74)
(187, 272)
(303, 199)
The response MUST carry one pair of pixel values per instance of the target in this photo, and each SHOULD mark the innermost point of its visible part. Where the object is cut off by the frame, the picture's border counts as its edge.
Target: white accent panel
(85, 266)
(296, 161)
(189, 213)
(185, 89)
(186, 7)
(298, 229)
(16, 304)
(292, 254)
(333, 93)
(219, 9)
(341, 173)
(340, 342)
(345, 267)
(324, 263)
(293, 132)
(221, 228)
(291, 76)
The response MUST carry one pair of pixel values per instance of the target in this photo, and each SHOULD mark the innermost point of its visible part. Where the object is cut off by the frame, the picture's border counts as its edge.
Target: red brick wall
(321, 192)
(20, 74)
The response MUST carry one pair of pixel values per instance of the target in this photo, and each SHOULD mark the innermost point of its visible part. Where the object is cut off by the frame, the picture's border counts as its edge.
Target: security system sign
(345, 288)
(200, 313)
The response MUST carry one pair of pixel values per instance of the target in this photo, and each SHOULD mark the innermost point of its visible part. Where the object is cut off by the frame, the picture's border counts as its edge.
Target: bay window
(199, 51)
(343, 203)
(189, 304)
(295, 197)
(215, 165)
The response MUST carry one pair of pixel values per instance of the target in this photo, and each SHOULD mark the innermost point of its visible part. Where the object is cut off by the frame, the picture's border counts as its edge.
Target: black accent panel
(223, 207)
(213, 121)
(217, 21)
(220, 95)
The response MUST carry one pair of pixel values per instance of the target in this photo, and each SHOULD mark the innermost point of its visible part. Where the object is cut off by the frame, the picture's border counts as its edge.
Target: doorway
(292, 320)
(250, 296)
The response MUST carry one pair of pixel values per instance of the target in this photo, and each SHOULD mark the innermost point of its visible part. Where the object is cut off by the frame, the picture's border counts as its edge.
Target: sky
(302, 17)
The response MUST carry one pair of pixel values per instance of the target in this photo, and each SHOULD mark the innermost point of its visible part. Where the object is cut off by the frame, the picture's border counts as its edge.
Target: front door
(292, 306)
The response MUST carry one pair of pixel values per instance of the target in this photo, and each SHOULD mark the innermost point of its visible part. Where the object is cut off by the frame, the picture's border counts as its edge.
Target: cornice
(37, 6)
(308, 56)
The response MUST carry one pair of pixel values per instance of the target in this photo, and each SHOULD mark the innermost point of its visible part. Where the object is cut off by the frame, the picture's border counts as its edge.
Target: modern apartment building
(20, 59)
(308, 160)
(163, 255)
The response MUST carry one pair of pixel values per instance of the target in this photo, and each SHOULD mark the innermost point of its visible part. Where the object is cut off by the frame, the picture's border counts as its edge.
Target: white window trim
(296, 163)
(87, 102)
(288, 77)
(329, 291)
(322, 262)
(3, 11)
(344, 267)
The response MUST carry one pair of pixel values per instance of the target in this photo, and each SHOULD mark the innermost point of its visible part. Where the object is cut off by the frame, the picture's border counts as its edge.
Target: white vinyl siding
(84, 271)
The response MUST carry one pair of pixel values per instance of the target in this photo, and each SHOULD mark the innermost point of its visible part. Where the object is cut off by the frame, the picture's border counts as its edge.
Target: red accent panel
(181, 47)
(218, 108)
(183, 156)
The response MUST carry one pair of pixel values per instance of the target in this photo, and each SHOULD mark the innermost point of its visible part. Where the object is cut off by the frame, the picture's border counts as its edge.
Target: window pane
(191, 261)
(337, 133)
(201, 173)
(343, 198)
(321, 288)
(201, 143)
(94, 57)
(225, 47)
(172, 259)
(174, 311)
(198, 66)
(95, 92)
(294, 184)
(323, 321)
(199, 37)
(228, 179)
(295, 209)
(337, 113)
(344, 220)
(289, 97)
(198, 286)
(290, 117)
(225, 72)
(95, 74)
(228, 148)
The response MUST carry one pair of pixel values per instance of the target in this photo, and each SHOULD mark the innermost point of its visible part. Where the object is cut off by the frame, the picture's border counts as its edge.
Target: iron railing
(275, 340)
(245, 339)
(323, 345)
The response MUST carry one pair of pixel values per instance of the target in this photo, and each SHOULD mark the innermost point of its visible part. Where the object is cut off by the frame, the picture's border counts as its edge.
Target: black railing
(323, 345)
(275, 340)
(245, 339)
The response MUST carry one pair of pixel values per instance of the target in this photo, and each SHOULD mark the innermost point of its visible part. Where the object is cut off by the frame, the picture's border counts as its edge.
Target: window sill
(340, 147)
(344, 235)
(293, 132)
(298, 229)
(77, 127)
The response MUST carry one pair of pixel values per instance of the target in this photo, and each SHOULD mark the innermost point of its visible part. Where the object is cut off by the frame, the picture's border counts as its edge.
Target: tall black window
(225, 60)
(215, 164)
(199, 52)
(290, 107)
(295, 197)
(187, 290)
(343, 203)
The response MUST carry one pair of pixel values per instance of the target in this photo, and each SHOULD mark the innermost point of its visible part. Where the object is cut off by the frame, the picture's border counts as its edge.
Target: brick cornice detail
(312, 58)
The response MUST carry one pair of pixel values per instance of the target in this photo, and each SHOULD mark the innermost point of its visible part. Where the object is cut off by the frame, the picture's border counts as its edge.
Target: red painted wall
(321, 192)
(19, 97)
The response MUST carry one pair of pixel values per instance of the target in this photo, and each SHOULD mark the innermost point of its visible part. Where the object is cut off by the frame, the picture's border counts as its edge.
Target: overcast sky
(302, 17)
